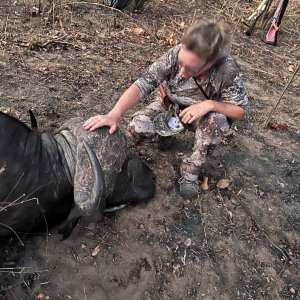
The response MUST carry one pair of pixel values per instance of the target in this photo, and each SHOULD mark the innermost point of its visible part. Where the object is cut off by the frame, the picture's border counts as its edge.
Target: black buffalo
(48, 178)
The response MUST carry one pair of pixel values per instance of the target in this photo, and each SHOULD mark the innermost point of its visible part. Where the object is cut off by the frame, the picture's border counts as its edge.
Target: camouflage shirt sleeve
(159, 71)
(232, 88)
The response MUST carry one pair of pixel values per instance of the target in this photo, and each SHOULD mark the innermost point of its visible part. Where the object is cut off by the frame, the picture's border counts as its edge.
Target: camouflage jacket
(223, 81)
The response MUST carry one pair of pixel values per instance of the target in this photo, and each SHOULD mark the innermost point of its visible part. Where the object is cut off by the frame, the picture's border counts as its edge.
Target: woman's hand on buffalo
(98, 121)
(196, 111)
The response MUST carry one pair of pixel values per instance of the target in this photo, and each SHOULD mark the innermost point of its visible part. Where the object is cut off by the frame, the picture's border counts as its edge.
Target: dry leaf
(6, 111)
(223, 184)
(96, 251)
(204, 184)
(137, 30)
(278, 126)
(10, 111)
(172, 42)
(291, 68)
(98, 68)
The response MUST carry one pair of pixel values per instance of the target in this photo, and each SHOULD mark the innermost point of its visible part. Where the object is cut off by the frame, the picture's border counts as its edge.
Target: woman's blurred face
(190, 65)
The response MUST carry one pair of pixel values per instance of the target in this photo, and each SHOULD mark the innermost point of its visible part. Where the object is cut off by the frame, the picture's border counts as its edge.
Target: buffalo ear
(67, 227)
(33, 120)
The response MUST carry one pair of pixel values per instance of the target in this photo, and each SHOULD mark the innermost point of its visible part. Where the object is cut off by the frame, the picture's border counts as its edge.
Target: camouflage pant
(208, 133)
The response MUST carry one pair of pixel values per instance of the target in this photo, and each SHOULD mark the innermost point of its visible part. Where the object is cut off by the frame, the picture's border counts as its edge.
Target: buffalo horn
(98, 193)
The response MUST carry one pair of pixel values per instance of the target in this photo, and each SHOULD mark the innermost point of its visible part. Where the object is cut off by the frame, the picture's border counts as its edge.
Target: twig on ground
(100, 240)
(283, 268)
(256, 68)
(269, 52)
(54, 40)
(22, 272)
(84, 292)
(12, 269)
(261, 229)
(58, 40)
(265, 124)
(53, 16)
(12, 294)
(204, 226)
(5, 28)
(228, 213)
(11, 286)
(4, 225)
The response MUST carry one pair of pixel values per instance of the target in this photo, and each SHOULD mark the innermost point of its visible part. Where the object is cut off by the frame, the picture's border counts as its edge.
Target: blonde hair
(207, 38)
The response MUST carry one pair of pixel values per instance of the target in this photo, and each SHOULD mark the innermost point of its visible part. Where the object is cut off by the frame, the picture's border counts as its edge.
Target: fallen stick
(54, 40)
(4, 225)
(260, 227)
(265, 124)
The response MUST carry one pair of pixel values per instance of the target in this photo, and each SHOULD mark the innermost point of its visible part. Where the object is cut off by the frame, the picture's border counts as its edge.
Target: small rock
(223, 183)
(188, 242)
(281, 184)
(96, 251)
(42, 296)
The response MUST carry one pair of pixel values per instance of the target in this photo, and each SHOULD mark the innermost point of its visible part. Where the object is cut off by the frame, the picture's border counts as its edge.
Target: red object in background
(271, 37)
(278, 126)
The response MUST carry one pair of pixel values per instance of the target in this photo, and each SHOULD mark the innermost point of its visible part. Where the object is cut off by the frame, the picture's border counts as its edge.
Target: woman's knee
(216, 122)
(211, 130)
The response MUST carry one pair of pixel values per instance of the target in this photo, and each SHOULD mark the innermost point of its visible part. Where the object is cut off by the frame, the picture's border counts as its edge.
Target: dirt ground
(239, 242)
